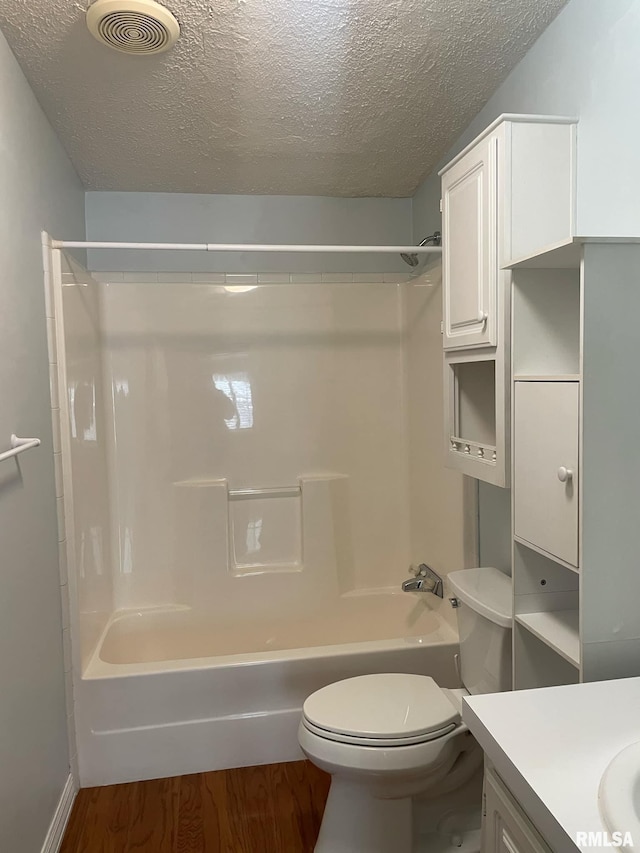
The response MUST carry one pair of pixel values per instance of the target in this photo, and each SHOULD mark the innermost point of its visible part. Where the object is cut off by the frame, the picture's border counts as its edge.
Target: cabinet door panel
(546, 466)
(470, 273)
(506, 829)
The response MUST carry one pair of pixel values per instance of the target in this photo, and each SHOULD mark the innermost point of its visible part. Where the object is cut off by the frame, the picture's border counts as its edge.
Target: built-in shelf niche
(546, 602)
(474, 387)
(546, 324)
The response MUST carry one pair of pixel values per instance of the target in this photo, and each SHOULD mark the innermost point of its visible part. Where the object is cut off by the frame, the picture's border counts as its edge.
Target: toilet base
(356, 822)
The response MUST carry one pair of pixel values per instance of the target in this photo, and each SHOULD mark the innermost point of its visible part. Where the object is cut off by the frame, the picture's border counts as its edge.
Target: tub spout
(426, 580)
(413, 585)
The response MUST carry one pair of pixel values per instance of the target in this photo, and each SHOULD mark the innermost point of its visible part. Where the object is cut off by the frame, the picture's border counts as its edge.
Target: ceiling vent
(133, 26)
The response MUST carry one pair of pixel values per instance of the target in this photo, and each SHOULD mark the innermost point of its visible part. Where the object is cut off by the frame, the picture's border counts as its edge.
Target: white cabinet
(510, 192)
(546, 429)
(576, 475)
(469, 254)
(505, 827)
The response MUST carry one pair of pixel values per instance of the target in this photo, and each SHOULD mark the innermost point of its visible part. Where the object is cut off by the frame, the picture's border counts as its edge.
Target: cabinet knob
(483, 317)
(564, 474)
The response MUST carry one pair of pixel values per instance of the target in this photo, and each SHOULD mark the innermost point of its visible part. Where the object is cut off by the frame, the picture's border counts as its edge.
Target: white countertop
(552, 746)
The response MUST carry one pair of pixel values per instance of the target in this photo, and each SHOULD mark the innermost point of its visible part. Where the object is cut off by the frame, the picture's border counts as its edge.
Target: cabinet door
(505, 827)
(469, 254)
(546, 467)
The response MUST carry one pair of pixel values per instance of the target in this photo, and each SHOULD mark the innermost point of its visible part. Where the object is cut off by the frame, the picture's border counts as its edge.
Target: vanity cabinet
(505, 826)
(508, 194)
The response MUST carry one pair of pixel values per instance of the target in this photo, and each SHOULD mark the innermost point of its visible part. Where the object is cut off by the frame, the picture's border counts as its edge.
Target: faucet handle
(420, 571)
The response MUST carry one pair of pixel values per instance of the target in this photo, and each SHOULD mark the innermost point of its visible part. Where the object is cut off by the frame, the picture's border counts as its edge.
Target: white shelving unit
(575, 472)
(541, 338)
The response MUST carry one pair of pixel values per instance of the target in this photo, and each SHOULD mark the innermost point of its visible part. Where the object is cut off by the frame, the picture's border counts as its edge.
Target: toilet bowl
(384, 738)
(389, 737)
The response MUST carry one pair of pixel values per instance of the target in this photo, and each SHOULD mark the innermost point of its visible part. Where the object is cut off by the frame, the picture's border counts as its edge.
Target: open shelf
(474, 408)
(558, 629)
(552, 557)
(546, 324)
(538, 665)
(520, 541)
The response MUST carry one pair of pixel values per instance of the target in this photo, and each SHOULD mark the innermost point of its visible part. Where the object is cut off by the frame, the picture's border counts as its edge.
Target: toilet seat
(382, 710)
(340, 737)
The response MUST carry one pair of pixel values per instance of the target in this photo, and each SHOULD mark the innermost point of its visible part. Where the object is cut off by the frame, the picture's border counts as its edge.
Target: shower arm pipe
(247, 247)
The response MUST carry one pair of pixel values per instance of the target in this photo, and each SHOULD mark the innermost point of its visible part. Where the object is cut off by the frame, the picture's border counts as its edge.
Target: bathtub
(167, 692)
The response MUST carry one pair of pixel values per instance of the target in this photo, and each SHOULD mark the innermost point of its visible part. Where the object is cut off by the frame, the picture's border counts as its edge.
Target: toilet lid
(385, 707)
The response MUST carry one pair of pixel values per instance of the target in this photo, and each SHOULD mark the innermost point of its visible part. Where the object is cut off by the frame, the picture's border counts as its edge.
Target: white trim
(249, 247)
(53, 840)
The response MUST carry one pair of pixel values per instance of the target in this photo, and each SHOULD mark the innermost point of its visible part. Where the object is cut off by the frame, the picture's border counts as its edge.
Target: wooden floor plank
(251, 812)
(202, 821)
(216, 812)
(106, 821)
(154, 818)
(76, 823)
(301, 795)
(294, 818)
(189, 837)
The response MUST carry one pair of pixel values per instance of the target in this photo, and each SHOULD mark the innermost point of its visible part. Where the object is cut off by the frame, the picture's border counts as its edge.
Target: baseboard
(53, 841)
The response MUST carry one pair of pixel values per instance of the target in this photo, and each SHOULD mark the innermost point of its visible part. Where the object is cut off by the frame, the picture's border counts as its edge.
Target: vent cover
(133, 26)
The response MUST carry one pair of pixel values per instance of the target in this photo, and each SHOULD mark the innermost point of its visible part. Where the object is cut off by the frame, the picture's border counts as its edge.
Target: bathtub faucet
(424, 580)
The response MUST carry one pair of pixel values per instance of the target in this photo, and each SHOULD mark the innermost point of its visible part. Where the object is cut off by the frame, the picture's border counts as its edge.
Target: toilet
(388, 737)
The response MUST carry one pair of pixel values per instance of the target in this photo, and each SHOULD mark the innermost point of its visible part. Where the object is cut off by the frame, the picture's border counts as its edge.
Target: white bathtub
(168, 693)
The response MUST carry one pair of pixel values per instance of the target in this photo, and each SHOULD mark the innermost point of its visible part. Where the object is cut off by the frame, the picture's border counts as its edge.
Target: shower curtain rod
(248, 247)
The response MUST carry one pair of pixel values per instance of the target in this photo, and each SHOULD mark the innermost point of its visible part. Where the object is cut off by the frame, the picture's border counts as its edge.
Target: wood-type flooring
(275, 808)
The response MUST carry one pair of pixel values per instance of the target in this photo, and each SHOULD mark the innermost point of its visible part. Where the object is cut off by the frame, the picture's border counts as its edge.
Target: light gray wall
(39, 190)
(586, 64)
(192, 218)
(425, 209)
(494, 526)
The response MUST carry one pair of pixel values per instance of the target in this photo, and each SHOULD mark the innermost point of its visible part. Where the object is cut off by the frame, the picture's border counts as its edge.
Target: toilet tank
(484, 611)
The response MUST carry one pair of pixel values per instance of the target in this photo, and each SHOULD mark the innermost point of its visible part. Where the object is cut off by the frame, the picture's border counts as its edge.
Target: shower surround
(240, 505)
(250, 431)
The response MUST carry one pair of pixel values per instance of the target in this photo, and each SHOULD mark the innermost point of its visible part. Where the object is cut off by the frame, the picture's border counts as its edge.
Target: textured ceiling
(310, 97)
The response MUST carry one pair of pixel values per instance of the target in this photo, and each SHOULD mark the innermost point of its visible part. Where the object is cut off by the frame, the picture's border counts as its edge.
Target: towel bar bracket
(19, 445)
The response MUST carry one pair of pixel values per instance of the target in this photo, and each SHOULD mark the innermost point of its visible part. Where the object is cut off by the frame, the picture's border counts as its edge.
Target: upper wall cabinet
(509, 195)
